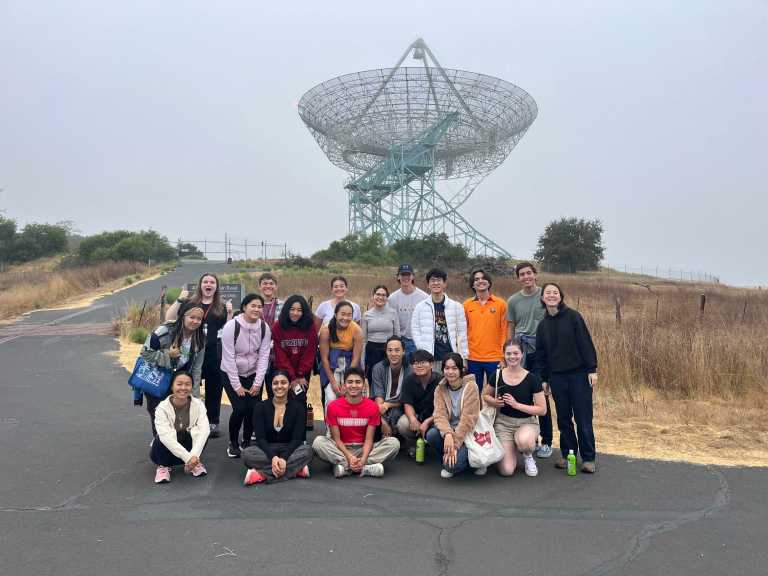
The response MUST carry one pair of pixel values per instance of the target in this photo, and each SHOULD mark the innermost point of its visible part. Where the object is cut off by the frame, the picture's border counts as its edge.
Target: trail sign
(226, 291)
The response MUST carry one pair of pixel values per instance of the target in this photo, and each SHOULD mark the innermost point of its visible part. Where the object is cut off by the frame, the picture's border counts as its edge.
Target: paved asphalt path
(77, 497)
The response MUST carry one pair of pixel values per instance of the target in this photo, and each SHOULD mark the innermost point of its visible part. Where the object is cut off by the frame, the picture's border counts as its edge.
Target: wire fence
(233, 248)
(668, 273)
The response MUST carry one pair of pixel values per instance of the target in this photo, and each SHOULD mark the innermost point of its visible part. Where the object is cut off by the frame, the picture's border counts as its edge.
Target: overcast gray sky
(181, 116)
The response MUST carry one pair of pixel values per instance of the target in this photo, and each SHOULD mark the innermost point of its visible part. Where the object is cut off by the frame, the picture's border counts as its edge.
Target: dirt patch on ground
(722, 432)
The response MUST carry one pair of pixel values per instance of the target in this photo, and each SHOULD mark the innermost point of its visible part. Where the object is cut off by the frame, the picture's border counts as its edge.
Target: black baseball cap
(405, 269)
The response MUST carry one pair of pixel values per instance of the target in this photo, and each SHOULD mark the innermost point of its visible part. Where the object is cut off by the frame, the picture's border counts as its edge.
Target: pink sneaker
(199, 470)
(253, 477)
(162, 475)
(303, 473)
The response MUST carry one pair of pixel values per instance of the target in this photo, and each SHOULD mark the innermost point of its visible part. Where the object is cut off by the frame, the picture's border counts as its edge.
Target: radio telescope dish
(403, 132)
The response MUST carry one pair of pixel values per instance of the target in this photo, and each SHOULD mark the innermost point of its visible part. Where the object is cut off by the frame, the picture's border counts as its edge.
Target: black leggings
(213, 377)
(242, 409)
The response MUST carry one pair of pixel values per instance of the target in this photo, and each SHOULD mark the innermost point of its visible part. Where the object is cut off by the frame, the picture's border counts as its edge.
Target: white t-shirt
(404, 304)
(325, 311)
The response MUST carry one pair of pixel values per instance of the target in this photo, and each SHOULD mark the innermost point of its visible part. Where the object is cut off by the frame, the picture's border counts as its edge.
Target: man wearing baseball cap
(403, 301)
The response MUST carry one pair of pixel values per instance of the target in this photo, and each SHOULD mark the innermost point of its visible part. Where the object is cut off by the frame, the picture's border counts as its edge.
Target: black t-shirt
(522, 392)
(212, 324)
(422, 399)
(442, 341)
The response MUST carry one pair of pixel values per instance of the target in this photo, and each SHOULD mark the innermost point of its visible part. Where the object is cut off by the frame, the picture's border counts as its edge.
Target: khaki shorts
(506, 426)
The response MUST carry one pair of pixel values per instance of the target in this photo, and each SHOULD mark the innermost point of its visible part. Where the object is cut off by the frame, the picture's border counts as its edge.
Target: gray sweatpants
(254, 457)
(383, 450)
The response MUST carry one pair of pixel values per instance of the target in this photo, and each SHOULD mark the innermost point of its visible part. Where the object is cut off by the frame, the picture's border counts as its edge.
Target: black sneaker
(233, 451)
(215, 431)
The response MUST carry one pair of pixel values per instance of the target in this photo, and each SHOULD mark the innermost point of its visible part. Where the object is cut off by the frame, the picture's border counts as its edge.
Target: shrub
(139, 335)
(171, 294)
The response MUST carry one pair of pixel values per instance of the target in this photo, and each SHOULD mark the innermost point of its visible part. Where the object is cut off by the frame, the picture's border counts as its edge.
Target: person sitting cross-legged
(279, 425)
(352, 420)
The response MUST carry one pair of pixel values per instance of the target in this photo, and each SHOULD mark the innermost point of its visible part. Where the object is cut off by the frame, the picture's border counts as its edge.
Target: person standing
(294, 337)
(524, 313)
(278, 424)
(327, 309)
(439, 325)
(353, 420)
(379, 323)
(486, 328)
(178, 345)
(387, 384)
(245, 344)
(403, 301)
(341, 347)
(418, 400)
(216, 313)
(270, 313)
(568, 361)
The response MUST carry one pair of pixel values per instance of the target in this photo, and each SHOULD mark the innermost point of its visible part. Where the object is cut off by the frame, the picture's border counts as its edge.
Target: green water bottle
(571, 463)
(420, 445)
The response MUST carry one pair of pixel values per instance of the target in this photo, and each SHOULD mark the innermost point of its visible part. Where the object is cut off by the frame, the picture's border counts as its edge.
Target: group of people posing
(414, 365)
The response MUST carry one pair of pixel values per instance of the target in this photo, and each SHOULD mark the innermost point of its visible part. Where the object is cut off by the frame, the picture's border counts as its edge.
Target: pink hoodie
(251, 353)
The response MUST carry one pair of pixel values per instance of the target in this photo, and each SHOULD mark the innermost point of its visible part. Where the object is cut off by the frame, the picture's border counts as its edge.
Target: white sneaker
(530, 466)
(481, 471)
(339, 471)
(544, 451)
(373, 470)
(445, 474)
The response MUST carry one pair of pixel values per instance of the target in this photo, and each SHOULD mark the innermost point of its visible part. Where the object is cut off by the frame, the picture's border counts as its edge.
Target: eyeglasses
(422, 363)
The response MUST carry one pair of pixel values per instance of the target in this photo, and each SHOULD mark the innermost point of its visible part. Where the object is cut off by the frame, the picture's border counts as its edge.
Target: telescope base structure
(415, 211)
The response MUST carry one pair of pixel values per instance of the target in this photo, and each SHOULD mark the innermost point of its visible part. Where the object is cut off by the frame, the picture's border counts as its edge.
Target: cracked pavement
(77, 497)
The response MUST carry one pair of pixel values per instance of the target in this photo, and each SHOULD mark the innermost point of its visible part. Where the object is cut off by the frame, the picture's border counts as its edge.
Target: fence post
(702, 304)
(744, 311)
(162, 303)
(657, 309)
(618, 310)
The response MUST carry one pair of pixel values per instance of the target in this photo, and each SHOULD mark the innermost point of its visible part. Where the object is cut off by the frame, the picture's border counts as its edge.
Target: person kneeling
(278, 423)
(182, 431)
(352, 420)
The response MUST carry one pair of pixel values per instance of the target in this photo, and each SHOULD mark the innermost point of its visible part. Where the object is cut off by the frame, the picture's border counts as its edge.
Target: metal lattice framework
(417, 141)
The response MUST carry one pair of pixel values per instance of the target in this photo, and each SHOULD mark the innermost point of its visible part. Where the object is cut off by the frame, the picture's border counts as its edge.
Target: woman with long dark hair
(278, 424)
(178, 345)
(294, 337)
(182, 431)
(216, 313)
(341, 347)
(568, 363)
(457, 408)
(380, 322)
(245, 344)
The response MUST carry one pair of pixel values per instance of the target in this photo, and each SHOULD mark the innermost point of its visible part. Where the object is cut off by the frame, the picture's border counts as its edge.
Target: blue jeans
(545, 422)
(462, 458)
(482, 371)
(410, 348)
(573, 399)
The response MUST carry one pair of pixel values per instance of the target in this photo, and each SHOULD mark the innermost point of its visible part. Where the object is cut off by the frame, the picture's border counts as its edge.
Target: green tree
(355, 248)
(432, 250)
(125, 245)
(570, 245)
(7, 238)
(38, 240)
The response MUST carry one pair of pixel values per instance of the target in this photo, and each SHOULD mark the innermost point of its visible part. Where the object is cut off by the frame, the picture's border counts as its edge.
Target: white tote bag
(483, 446)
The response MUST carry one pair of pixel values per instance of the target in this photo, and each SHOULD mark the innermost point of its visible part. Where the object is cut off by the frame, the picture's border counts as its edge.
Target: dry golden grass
(43, 283)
